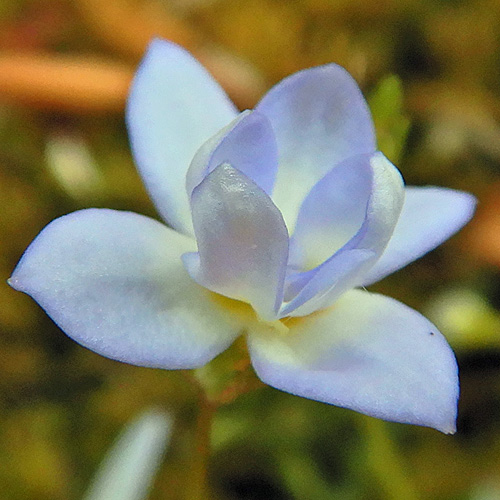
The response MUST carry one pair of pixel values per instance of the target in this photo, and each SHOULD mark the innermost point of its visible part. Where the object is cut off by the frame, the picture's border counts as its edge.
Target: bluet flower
(279, 218)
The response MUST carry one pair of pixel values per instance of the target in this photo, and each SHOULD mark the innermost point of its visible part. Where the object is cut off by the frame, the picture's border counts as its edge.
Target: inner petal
(247, 142)
(320, 118)
(332, 213)
(242, 241)
(322, 285)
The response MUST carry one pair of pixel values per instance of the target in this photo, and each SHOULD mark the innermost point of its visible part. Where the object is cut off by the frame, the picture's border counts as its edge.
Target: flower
(233, 187)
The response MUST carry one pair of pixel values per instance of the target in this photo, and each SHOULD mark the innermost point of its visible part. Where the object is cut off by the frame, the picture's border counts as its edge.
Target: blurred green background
(431, 70)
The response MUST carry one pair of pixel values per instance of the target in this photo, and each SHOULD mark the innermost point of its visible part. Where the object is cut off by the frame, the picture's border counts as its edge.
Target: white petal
(174, 107)
(320, 118)
(368, 353)
(430, 216)
(320, 289)
(247, 142)
(325, 283)
(383, 208)
(130, 465)
(115, 283)
(242, 241)
(332, 212)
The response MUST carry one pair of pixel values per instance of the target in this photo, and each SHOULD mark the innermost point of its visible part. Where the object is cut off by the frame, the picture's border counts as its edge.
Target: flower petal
(368, 353)
(173, 108)
(242, 241)
(320, 118)
(319, 288)
(332, 212)
(382, 182)
(115, 283)
(247, 142)
(430, 216)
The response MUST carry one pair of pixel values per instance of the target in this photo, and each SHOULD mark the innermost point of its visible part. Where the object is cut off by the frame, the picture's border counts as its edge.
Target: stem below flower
(197, 486)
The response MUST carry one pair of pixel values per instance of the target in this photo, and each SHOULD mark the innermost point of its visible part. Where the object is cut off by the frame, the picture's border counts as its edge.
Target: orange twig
(66, 83)
(128, 30)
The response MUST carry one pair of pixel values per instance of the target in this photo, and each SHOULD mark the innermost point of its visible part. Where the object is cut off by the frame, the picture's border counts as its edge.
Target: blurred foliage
(391, 124)
(431, 71)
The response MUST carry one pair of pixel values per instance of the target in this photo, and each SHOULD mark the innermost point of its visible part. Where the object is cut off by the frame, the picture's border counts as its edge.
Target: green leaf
(391, 124)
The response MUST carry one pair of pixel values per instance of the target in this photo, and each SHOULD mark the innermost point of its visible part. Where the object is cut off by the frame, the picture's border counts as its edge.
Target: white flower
(234, 186)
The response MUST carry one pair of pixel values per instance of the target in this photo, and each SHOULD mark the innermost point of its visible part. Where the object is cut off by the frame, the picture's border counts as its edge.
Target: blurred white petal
(128, 470)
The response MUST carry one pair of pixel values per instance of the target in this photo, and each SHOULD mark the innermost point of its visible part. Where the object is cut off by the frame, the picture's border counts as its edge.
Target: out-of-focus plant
(129, 467)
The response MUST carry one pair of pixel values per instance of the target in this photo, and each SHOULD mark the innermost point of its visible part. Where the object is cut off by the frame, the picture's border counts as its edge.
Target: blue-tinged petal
(332, 212)
(173, 108)
(247, 142)
(130, 465)
(319, 288)
(384, 206)
(115, 283)
(320, 118)
(242, 241)
(340, 272)
(368, 353)
(430, 216)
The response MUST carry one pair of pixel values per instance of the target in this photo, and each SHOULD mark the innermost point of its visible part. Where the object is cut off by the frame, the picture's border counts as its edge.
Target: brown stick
(67, 83)
(128, 30)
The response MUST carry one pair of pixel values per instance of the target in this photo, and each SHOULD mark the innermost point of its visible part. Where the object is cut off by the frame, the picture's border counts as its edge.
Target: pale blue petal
(317, 289)
(320, 118)
(242, 241)
(340, 272)
(247, 142)
(115, 283)
(384, 206)
(173, 108)
(430, 216)
(368, 353)
(332, 212)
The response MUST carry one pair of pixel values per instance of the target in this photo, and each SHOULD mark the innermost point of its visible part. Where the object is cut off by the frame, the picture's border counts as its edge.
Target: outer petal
(430, 216)
(115, 283)
(368, 353)
(242, 241)
(173, 108)
(325, 283)
(320, 118)
(247, 142)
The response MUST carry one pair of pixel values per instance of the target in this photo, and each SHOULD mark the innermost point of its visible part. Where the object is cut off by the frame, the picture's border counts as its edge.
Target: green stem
(384, 462)
(197, 486)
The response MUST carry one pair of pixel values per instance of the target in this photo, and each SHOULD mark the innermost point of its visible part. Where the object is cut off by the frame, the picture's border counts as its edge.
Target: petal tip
(447, 426)
(158, 44)
(16, 281)
(450, 430)
(442, 423)
(470, 202)
(443, 419)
